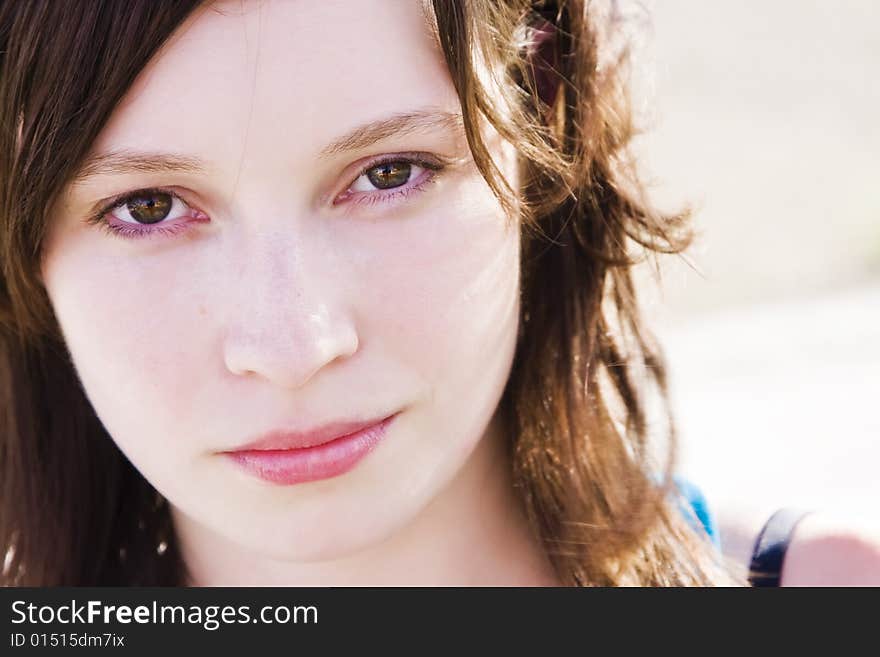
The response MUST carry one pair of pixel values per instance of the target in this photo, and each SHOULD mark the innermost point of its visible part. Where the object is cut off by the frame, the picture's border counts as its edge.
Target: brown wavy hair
(74, 511)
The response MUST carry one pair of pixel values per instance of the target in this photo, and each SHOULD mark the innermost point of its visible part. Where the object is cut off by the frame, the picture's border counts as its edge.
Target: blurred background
(764, 117)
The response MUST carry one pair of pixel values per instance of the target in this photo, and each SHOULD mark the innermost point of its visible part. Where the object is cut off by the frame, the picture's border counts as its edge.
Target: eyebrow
(121, 162)
(401, 124)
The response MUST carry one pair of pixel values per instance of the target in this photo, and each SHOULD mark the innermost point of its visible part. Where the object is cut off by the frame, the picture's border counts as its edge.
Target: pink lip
(292, 458)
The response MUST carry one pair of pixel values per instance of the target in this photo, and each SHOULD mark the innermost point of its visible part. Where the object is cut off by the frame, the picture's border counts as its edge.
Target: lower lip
(296, 466)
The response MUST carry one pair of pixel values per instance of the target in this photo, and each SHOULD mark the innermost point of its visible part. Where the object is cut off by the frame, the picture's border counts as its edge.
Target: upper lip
(281, 439)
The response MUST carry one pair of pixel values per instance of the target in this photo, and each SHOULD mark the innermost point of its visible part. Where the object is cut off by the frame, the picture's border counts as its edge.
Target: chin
(318, 537)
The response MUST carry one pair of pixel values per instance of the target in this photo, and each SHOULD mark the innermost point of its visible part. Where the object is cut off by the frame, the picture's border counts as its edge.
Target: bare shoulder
(831, 550)
(826, 548)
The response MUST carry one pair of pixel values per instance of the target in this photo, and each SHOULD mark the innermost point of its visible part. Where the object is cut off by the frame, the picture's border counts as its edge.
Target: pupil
(392, 174)
(150, 209)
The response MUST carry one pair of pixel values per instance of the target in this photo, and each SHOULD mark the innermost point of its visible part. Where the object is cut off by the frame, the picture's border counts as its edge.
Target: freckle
(202, 311)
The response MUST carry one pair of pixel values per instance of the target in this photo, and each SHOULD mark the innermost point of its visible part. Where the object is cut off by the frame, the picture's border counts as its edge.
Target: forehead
(252, 72)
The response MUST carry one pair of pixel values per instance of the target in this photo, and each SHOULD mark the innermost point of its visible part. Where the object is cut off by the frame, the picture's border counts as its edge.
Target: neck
(472, 534)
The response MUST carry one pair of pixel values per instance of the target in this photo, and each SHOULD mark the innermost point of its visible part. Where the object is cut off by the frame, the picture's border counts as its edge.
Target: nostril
(289, 358)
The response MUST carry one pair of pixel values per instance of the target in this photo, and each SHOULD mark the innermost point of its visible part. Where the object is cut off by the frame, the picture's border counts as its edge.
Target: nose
(289, 319)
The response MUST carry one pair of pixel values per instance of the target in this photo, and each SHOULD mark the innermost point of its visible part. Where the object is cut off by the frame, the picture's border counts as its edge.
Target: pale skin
(827, 548)
(290, 292)
(300, 294)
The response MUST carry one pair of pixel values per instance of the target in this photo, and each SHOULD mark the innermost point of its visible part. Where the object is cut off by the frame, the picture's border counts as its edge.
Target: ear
(544, 60)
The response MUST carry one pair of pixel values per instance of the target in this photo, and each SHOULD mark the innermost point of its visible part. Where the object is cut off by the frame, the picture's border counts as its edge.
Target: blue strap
(696, 509)
(765, 567)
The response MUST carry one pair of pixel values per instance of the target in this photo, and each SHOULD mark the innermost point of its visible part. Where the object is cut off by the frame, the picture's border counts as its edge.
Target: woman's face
(281, 280)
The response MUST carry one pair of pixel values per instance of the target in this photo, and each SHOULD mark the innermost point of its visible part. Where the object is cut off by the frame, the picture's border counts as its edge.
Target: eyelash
(126, 230)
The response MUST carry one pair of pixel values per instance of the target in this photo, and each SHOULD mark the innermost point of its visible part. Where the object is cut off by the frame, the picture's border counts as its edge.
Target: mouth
(291, 458)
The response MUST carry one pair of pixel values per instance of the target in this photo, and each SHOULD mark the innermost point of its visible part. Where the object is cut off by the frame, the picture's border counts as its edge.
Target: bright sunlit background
(765, 119)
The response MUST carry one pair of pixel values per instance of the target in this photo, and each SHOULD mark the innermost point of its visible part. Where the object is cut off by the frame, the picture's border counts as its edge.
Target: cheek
(441, 299)
(447, 287)
(131, 331)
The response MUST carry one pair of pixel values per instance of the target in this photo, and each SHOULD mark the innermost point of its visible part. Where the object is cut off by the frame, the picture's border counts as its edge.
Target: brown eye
(390, 174)
(150, 208)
